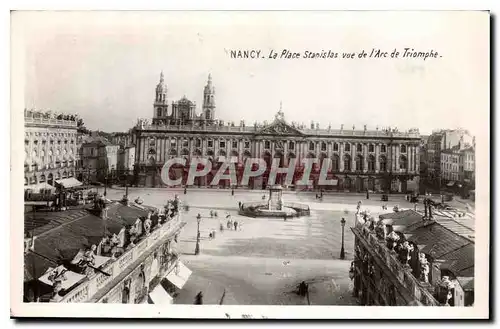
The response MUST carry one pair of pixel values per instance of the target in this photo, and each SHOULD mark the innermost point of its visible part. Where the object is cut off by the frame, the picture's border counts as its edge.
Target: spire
(281, 106)
(161, 76)
(209, 79)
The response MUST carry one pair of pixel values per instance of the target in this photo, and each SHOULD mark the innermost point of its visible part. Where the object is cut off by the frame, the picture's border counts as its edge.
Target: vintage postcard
(280, 165)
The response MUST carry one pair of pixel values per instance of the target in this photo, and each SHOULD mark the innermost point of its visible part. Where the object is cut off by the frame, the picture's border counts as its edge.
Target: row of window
(291, 145)
(43, 142)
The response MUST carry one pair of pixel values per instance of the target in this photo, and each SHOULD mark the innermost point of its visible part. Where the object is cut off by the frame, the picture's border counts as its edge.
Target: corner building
(377, 160)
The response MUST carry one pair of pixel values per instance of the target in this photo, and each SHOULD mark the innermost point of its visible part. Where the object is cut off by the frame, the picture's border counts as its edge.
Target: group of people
(230, 224)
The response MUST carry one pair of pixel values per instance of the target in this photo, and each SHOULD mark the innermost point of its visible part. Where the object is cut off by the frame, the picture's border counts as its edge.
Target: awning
(40, 186)
(69, 182)
(450, 183)
(67, 278)
(159, 296)
(179, 275)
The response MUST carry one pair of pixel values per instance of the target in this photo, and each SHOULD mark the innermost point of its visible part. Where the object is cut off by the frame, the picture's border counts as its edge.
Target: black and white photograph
(226, 164)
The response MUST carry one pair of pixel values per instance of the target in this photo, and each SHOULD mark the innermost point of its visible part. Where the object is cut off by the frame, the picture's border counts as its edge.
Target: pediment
(279, 127)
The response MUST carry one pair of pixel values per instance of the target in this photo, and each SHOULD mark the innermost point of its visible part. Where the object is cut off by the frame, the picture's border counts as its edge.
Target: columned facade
(360, 159)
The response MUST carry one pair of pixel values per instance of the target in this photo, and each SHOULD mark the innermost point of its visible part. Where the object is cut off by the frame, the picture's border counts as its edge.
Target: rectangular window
(311, 146)
(323, 146)
(210, 143)
(185, 143)
(222, 144)
(291, 145)
(267, 144)
(360, 148)
(198, 143)
(247, 144)
(371, 148)
(235, 144)
(348, 147)
(173, 143)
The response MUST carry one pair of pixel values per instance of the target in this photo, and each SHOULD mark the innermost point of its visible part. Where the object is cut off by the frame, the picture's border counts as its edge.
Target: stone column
(377, 155)
(417, 159)
(365, 157)
(353, 157)
(341, 156)
(397, 156)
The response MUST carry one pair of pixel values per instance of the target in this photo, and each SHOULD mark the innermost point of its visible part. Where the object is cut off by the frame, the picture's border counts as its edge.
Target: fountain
(274, 206)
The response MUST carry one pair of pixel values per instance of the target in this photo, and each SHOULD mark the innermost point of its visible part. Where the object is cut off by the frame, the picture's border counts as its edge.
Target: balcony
(49, 122)
(307, 131)
(118, 269)
(377, 246)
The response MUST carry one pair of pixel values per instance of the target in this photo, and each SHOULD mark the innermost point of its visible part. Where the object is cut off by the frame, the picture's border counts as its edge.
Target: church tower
(160, 104)
(209, 100)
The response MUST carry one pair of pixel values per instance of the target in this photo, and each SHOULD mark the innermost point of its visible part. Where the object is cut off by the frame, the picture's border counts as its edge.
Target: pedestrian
(232, 191)
(199, 299)
(185, 190)
(228, 225)
(239, 205)
(210, 236)
(221, 228)
(367, 194)
(235, 225)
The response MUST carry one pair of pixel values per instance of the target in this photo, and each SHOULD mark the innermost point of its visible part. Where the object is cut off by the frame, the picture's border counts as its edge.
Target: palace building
(410, 258)
(360, 160)
(50, 150)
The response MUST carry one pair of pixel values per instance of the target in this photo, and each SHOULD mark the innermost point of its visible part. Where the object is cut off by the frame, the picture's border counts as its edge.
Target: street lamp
(197, 249)
(342, 251)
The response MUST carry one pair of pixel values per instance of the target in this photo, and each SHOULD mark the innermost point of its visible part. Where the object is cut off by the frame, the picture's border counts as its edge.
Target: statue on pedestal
(424, 268)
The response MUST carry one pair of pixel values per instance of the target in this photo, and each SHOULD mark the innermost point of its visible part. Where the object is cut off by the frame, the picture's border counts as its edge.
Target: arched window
(323, 146)
(347, 147)
(403, 148)
(359, 163)
(403, 163)
(371, 163)
(158, 112)
(359, 148)
(291, 145)
(383, 163)
(311, 146)
(335, 147)
(371, 148)
(335, 163)
(382, 148)
(347, 163)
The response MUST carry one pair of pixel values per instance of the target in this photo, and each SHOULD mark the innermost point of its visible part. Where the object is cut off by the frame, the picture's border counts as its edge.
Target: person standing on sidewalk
(235, 225)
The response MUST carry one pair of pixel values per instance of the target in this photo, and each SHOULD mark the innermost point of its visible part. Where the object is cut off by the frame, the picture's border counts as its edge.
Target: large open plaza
(265, 259)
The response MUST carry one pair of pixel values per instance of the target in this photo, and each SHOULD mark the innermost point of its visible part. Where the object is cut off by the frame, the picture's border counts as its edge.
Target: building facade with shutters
(50, 148)
(359, 159)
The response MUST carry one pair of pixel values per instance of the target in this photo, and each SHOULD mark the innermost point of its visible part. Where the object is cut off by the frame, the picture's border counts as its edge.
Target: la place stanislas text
(325, 54)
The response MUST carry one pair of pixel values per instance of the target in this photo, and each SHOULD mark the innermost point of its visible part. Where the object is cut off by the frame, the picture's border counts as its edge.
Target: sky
(105, 66)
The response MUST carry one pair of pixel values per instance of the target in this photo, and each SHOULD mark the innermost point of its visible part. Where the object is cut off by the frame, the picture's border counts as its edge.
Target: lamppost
(197, 249)
(342, 251)
(105, 181)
